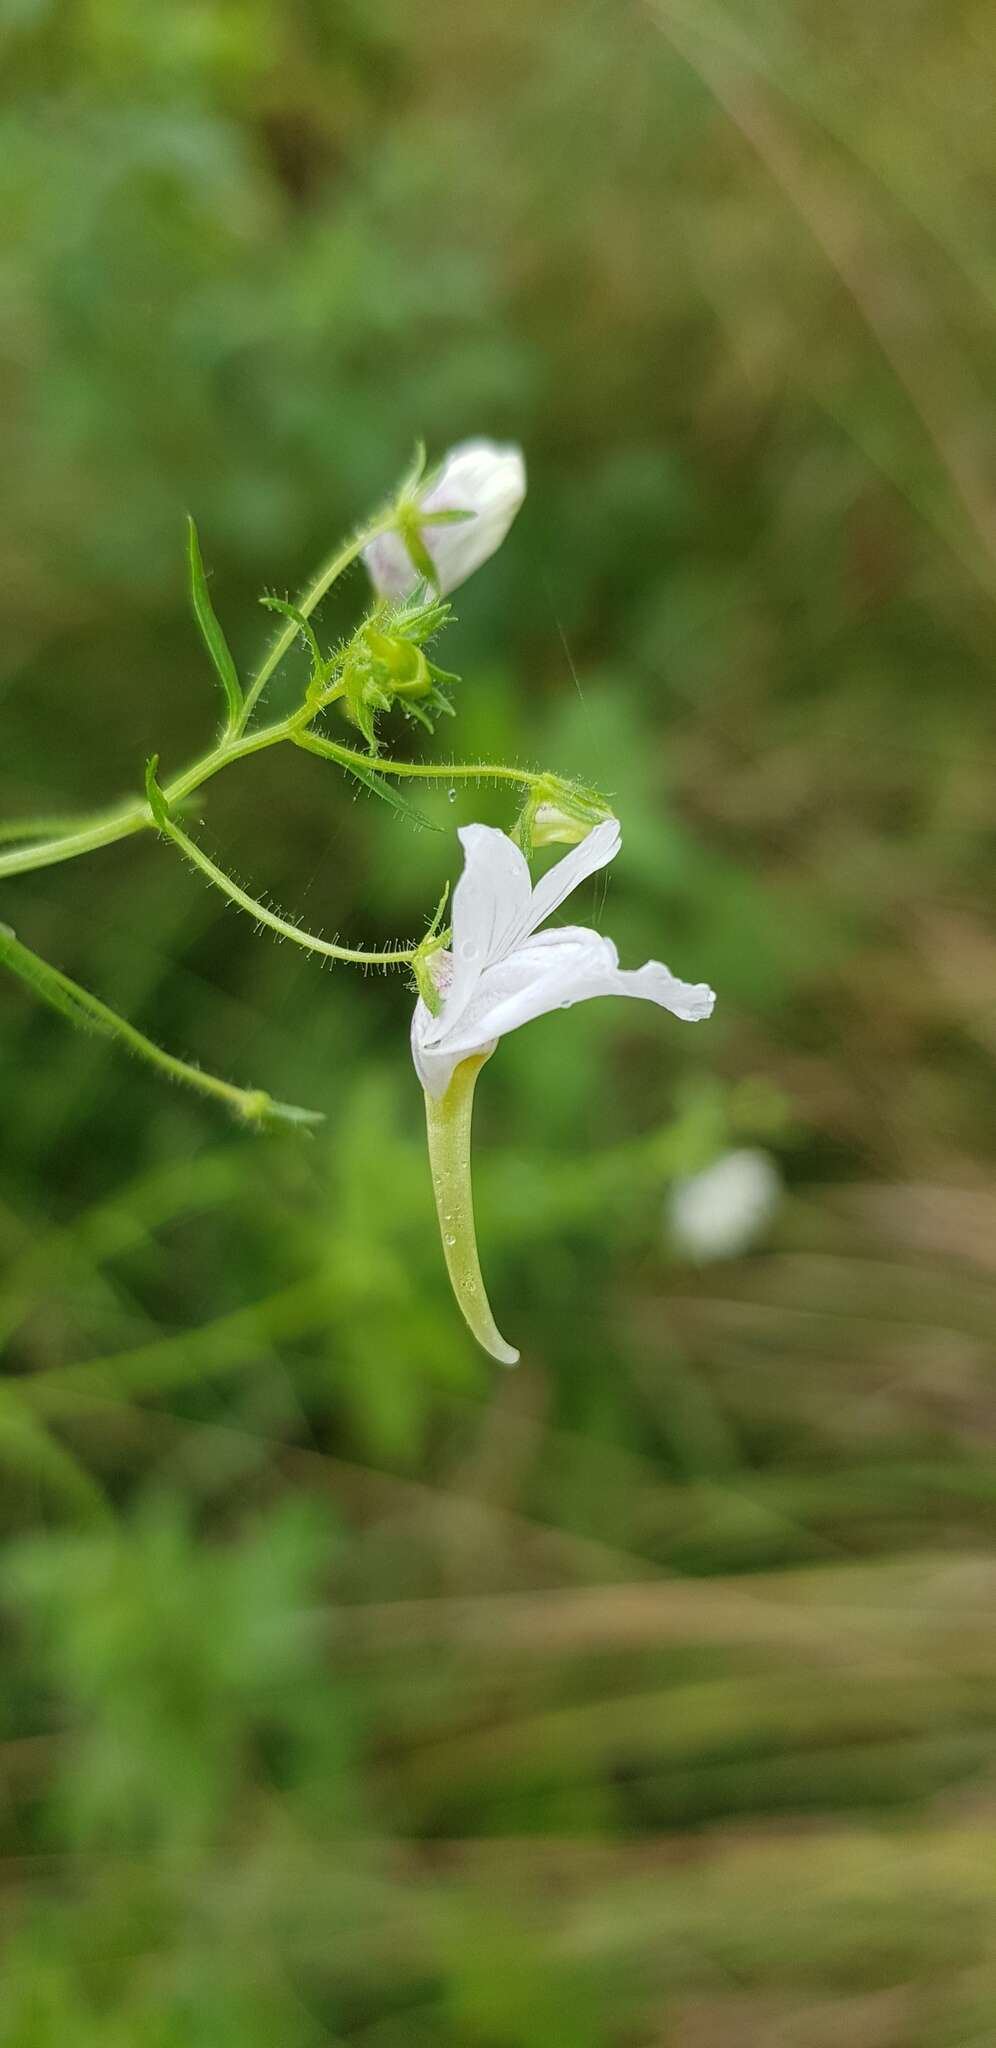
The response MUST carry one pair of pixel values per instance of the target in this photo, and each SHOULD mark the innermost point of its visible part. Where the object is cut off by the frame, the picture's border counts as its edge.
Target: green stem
(307, 603)
(105, 830)
(480, 771)
(22, 829)
(110, 826)
(87, 1011)
(357, 956)
(448, 1126)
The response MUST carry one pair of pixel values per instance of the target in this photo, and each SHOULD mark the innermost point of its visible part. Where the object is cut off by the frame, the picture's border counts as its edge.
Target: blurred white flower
(502, 971)
(721, 1212)
(482, 479)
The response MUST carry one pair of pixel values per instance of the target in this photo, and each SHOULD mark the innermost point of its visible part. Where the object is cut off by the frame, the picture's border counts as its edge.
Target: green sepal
(319, 666)
(580, 809)
(418, 554)
(211, 631)
(418, 712)
(455, 517)
(154, 796)
(434, 942)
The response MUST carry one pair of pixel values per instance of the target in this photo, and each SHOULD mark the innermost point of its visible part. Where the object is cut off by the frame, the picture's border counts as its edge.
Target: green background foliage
(355, 1692)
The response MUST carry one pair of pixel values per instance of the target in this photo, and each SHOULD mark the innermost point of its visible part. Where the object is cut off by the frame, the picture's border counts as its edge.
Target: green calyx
(436, 940)
(385, 663)
(558, 813)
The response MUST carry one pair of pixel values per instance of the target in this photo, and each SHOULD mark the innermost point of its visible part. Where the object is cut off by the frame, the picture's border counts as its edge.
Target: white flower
(477, 477)
(721, 1212)
(503, 971)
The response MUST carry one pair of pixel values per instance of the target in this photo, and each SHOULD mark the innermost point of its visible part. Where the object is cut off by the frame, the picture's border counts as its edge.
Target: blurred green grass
(353, 1693)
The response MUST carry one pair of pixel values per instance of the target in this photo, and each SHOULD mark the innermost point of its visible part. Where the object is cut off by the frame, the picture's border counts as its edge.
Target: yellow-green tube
(448, 1124)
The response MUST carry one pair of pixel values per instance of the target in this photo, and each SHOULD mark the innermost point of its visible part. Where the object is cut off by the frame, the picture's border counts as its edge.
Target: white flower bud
(721, 1212)
(479, 478)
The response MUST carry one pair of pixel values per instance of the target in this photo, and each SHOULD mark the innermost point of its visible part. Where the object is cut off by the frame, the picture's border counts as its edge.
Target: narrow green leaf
(355, 765)
(378, 787)
(211, 632)
(304, 627)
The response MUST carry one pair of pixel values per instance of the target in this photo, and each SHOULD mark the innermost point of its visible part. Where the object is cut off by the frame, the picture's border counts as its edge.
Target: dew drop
(468, 950)
(450, 1239)
(451, 796)
(566, 1006)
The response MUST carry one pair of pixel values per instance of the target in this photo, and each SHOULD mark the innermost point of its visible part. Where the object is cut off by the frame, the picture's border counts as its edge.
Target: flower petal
(490, 906)
(482, 477)
(390, 566)
(552, 971)
(435, 1063)
(594, 852)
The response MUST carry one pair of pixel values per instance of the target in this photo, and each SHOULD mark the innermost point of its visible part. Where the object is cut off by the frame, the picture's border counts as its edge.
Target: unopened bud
(554, 827)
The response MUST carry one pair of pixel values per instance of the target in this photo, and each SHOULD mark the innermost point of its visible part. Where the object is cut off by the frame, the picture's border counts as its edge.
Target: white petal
(486, 479)
(575, 970)
(483, 478)
(434, 1063)
(553, 972)
(490, 908)
(390, 567)
(594, 852)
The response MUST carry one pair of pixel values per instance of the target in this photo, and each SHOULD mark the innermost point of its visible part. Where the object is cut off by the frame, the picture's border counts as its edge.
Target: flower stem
(23, 829)
(306, 604)
(479, 771)
(87, 1011)
(448, 1124)
(284, 928)
(109, 826)
(104, 830)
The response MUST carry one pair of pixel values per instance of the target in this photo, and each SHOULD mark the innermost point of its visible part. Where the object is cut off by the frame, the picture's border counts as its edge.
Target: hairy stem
(448, 1124)
(306, 604)
(110, 826)
(285, 929)
(88, 1012)
(479, 771)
